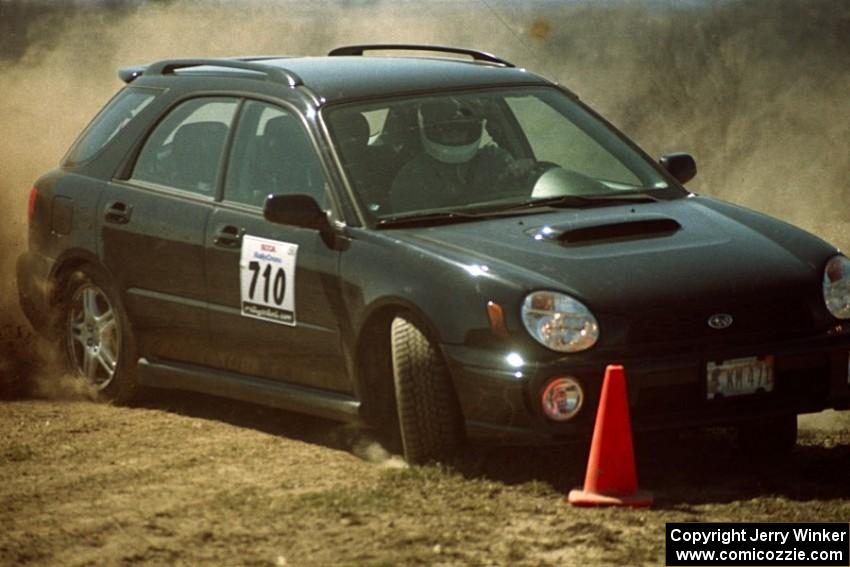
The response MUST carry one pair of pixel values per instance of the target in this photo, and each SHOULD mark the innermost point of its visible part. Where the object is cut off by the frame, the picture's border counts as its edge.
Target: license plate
(739, 377)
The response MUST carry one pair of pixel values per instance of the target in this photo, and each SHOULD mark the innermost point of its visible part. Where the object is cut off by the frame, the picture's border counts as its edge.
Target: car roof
(354, 77)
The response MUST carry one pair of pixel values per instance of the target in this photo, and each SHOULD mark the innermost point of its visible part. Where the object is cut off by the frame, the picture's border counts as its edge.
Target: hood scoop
(608, 230)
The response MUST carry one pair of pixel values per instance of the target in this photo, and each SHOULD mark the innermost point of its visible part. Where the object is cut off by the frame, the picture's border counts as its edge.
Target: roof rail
(476, 55)
(278, 74)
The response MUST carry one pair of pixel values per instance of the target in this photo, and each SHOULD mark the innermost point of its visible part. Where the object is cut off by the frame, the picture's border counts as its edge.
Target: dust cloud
(373, 452)
(755, 89)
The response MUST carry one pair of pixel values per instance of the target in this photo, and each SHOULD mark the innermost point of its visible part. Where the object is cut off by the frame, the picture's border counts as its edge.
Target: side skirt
(290, 397)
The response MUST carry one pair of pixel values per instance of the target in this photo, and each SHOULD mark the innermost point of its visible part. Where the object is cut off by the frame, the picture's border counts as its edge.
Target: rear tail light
(31, 204)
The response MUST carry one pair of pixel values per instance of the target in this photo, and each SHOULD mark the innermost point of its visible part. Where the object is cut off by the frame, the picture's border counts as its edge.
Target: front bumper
(500, 398)
(33, 274)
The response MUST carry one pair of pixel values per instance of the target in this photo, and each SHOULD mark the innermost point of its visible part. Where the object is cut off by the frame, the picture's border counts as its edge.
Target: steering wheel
(549, 179)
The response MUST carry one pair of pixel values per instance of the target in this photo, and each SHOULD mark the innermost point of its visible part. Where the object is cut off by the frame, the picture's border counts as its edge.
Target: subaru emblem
(720, 321)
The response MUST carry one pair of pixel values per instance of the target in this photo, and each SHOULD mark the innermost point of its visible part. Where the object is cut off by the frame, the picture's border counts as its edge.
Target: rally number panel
(267, 279)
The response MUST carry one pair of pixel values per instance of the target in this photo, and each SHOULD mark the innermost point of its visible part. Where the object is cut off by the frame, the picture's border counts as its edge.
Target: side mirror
(682, 166)
(296, 210)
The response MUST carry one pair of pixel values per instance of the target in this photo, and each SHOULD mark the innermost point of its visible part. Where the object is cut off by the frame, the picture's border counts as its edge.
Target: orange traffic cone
(611, 478)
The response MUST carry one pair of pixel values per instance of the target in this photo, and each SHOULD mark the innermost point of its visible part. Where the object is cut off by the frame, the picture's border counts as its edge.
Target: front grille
(767, 320)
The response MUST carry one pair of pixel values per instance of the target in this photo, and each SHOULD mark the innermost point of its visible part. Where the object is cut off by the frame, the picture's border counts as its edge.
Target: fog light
(562, 398)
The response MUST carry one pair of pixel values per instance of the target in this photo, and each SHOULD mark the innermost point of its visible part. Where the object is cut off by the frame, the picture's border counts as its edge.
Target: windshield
(488, 150)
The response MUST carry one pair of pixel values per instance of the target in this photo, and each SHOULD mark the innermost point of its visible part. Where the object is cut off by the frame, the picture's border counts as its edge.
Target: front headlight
(559, 322)
(836, 287)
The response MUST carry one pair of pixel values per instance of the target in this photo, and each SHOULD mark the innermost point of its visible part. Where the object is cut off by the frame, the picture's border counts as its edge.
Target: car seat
(361, 162)
(196, 152)
(287, 161)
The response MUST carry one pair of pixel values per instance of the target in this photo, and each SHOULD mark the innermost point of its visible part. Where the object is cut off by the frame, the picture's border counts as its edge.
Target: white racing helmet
(451, 131)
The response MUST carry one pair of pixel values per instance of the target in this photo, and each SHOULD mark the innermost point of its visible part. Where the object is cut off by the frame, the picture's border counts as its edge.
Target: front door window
(272, 155)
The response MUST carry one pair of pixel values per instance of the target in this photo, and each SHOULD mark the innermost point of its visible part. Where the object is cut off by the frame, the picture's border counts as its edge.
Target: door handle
(118, 212)
(228, 236)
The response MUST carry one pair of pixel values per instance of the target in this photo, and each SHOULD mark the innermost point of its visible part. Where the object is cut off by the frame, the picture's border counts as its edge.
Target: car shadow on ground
(300, 427)
(689, 468)
(704, 467)
(682, 469)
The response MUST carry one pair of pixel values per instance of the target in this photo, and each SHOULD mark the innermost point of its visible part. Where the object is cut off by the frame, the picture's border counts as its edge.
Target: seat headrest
(352, 128)
(281, 128)
(196, 131)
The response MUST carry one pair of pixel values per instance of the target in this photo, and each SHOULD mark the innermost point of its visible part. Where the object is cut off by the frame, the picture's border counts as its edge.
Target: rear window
(111, 120)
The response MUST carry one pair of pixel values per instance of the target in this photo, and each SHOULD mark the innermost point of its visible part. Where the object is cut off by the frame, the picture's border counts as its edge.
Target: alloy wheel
(94, 335)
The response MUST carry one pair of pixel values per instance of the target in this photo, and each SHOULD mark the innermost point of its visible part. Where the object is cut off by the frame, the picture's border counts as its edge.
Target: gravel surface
(188, 479)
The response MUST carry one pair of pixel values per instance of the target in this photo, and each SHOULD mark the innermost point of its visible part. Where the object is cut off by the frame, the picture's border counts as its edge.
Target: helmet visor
(447, 123)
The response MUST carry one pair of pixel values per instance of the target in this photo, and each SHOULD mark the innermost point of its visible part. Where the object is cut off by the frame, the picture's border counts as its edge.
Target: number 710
(278, 287)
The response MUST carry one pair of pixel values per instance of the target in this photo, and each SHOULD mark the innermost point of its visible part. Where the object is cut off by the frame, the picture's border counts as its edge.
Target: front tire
(98, 341)
(428, 412)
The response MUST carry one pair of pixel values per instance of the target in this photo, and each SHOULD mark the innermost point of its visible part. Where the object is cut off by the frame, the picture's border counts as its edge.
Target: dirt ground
(185, 479)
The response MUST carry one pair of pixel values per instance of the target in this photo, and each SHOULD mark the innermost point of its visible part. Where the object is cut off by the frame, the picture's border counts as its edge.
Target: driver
(453, 169)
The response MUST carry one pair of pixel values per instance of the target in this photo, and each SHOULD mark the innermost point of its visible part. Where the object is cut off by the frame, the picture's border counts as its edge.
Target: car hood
(690, 257)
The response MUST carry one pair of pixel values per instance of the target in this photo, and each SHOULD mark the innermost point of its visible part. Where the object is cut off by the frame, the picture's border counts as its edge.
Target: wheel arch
(80, 267)
(373, 357)
(68, 263)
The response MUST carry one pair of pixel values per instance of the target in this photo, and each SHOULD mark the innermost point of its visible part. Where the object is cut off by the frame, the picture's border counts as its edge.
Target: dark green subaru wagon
(436, 244)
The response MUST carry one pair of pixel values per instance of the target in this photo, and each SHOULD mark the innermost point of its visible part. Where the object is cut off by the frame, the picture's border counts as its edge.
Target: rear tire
(769, 438)
(97, 339)
(428, 412)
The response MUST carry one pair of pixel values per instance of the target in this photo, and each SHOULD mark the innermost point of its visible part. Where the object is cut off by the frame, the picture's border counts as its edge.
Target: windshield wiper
(567, 201)
(584, 201)
(448, 217)
(426, 219)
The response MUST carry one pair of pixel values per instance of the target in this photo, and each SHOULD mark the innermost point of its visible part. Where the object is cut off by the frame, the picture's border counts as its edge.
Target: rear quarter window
(112, 119)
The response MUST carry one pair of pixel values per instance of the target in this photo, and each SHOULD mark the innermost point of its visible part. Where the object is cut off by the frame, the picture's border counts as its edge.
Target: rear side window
(111, 120)
(184, 150)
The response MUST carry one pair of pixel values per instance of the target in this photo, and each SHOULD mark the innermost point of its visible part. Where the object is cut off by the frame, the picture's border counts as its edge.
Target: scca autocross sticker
(267, 279)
